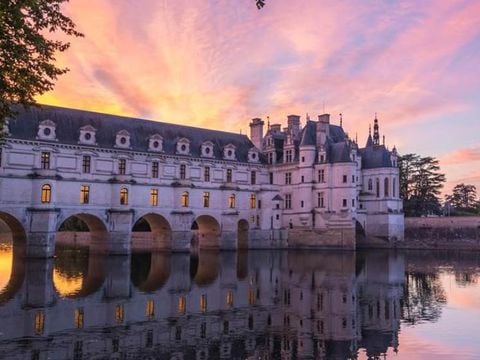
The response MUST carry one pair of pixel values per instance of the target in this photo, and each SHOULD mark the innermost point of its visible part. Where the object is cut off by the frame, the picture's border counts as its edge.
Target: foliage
(27, 56)
(420, 184)
(463, 199)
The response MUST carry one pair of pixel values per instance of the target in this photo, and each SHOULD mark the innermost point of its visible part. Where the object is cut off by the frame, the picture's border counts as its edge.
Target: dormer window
(46, 130)
(183, 146)
(123, 139)
(155, 143)
(87, 135)
(253, 155)
(229, 152)
(207, 149)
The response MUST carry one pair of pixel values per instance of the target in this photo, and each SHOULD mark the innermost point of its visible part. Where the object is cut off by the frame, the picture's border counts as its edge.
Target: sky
(218, 63)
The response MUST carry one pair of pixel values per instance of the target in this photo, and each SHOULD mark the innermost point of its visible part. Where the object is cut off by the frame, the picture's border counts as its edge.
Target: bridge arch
(152, 232)
(85, 230)
(206, 232)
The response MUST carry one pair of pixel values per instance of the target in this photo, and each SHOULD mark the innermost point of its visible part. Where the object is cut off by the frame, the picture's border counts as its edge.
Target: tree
(27, 56)
(463, 198)
(420, 184)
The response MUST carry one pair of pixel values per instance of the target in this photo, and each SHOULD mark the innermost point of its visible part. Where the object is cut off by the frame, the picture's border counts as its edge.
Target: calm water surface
(246, 305)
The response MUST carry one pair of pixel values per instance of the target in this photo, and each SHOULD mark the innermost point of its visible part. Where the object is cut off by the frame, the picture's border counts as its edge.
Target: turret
(256, 132)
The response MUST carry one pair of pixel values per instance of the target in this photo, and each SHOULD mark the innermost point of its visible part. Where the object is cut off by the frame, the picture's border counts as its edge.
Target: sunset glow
(217, 64)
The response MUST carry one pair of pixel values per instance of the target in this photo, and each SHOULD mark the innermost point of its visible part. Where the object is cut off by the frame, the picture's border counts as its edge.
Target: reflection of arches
(17, 233)
(359, 231)
(204, 267)
(242, 234)
(242, 264)
(15, 277)
(151, 232)
(150, 271)
(76, 274)
(95, 239)
(205, 232)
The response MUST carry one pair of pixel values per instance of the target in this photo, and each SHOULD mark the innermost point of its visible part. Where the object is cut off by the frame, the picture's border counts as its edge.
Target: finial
(308, 117)
(383, 140)
(356, 137)
(341, 120)
(369, 129)
(268, 122)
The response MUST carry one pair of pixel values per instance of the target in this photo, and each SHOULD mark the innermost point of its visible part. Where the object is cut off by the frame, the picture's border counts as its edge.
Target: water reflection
(259, 304)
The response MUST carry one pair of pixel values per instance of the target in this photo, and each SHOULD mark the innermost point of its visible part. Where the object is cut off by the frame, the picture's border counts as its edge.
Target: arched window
(124, 196)
(185, 199)
(253, 201)
(370, 185)
(385, 187)
(46, 196)
(231, 201)
(377, 186)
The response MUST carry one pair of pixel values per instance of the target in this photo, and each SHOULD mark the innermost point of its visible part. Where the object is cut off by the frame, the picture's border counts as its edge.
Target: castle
(138, 183)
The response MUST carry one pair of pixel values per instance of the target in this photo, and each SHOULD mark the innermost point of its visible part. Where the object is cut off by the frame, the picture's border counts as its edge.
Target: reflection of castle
(270, 305)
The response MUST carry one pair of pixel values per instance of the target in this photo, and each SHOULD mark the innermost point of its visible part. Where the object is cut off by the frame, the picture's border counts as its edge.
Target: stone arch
(150, 271)
(359, 232)
(152, 232)
(12, 251)
(205, 233)
(242, 234)
(96, 238)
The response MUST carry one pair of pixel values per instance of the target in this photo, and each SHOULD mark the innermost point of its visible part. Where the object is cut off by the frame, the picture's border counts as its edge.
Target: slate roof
(69, 121)
(309, 134)
(375, 156)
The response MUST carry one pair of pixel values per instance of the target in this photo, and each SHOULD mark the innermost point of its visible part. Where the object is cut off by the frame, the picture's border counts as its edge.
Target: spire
(369, 129)
(308, 117)
(376, 133)
(268, 123)
(383, 140)
(356, 138)
(341, 120)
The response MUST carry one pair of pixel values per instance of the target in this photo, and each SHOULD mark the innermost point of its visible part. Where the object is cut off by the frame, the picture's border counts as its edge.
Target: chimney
(256, 132)
(323, 129)
(293, 124)
(276, 128)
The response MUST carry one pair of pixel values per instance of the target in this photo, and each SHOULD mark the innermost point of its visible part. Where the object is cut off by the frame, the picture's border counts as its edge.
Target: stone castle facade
(150, 184)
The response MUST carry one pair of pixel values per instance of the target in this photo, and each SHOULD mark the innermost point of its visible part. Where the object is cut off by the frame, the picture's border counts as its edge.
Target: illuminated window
(84, 194)
(251, 297)
(253, 201)
(155, 168)
(231, 201)
(79, 318)
(185, 199)
(182, 305)
(385, 187)
(206, 173)
(46, 195)
(206, 199)
(39, 322)
(122, 166)
(86, 162)
(321, 200)
(150, 309)
(45, 160)
(253, 177)
(119, 313)
(230, 298)
(124, 196)
(183, 171)
(203, 303)
(229, 175)
(154, 197)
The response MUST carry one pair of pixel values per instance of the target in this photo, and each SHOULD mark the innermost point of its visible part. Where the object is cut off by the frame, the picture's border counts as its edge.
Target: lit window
(206, 173)
(86, 161)
(182, 305)
(206, 199)
(251, 297)
(45, 160)
(253, 177)
(150, 309)
(253, 201)
(230, 298)
(154, 197)
(185, 199)
(231, 201)
(229, 175)
(119, 313)
(84, 194)
(203, 303)
(46, 194)
(122, 166)
(124, 196)
(155, 168)
(183, 171)
(79, 318)
(39, 322)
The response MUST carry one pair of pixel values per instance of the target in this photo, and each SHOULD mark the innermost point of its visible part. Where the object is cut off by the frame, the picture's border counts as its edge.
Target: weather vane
(260, 4)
